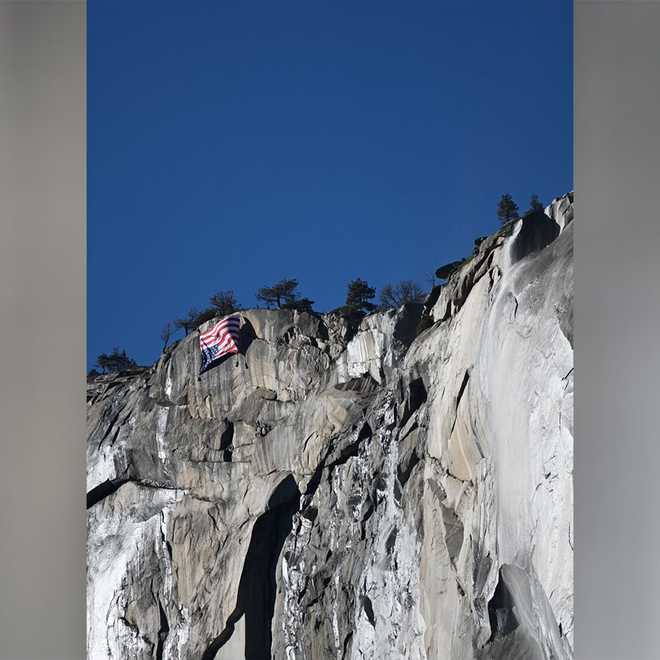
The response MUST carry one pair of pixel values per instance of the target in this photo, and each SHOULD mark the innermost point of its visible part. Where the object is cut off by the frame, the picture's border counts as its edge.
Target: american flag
(218, 341)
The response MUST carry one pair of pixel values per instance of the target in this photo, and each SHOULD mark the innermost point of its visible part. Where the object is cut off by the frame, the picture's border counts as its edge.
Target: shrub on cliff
(283, 295)
(424, 323)
(395, 295)
(535, 205)
(115, 361)
(359, 297)
(278, 295)
(507, 209)
(300, 305)
(166, 333)
(195, 318)
(224, 302)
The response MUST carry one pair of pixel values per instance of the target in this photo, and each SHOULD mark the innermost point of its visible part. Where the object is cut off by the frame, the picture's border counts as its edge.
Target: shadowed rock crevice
(416, 396)
(537, 231)
(247, 336)
(258, 585)
(364, 385)
(368, 610)
(103, 490)
(226, 441)
(501, 613)
(464, 382)
(163, 631)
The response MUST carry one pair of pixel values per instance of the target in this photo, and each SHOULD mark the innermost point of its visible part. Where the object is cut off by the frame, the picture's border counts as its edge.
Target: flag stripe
(215, 334)
(218, 341)
(232, 324)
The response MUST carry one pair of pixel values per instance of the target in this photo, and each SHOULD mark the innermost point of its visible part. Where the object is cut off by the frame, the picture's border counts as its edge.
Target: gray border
(617, 318)
(42, 297)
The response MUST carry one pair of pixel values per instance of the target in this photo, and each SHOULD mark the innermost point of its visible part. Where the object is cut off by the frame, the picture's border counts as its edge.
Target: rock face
(349, 493)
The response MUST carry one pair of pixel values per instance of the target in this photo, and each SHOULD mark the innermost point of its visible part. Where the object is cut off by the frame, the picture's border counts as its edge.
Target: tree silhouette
(279, 294)
(358, 298)
(166, 333)
(535, 205)
(283, 295)
(187, 323)
(224, 302)
(195, 318)
(507, 209)
(395, 295)
(117, 360)
(300, 305)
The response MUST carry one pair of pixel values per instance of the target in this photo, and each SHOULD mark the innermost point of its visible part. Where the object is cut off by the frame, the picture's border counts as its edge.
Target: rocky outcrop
(334, 492)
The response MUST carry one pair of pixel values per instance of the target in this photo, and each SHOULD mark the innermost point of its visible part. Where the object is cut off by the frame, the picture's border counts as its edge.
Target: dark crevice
(365, 385)
(365, 432)
(111, 486)
(163, 631)
(537, 231)
(405, 468)
(391, 541)
(166, 543)
(310, 513)
(102, 491)
(109, 428)
(368, 608)
(416, 397)
(397, 492)
(258, 585)
(347, 645)
(501, 611)
(352, 448)
(466, 378)
(314, 481)
(246, 336)
(226, 441)
(417, 393)
(453, 533)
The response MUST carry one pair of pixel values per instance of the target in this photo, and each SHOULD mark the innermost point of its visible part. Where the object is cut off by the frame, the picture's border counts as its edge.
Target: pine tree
(115, 361)
(359, 296)
(278, 295)
(166, 333)
(187, 323)
(507, 209)
(535, 205)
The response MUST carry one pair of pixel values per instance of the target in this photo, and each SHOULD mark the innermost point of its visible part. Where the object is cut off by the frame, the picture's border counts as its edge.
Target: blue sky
(233, 144)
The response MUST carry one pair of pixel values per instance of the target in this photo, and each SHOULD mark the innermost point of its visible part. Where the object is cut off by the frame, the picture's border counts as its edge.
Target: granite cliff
(338, 492)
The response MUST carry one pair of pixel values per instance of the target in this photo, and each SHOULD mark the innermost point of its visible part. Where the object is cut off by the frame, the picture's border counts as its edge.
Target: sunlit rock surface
(338, 492)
